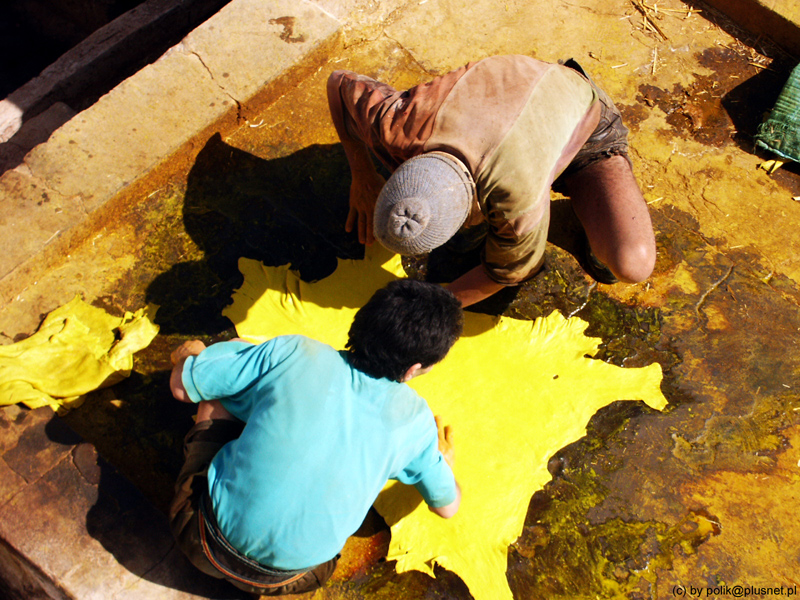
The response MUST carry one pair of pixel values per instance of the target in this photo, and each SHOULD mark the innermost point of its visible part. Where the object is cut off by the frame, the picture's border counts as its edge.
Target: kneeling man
(295, 440)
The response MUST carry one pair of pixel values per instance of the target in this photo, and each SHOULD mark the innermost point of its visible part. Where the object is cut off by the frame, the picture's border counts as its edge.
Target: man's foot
(588, 261)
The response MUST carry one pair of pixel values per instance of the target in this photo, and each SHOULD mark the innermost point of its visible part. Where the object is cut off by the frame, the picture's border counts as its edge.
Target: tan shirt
(515, 121)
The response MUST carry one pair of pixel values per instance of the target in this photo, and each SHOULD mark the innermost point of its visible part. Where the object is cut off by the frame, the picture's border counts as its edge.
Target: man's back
(515, 122)
(320, 440)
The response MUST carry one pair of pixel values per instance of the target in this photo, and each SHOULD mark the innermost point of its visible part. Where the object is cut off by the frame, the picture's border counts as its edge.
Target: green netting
(780, 132)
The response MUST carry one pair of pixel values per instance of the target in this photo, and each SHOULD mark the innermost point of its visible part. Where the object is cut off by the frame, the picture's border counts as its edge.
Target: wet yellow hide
(514, 392)
(77, 349)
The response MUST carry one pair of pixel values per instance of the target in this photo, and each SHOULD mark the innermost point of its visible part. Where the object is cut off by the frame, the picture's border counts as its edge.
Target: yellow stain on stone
(77, 349)
(716, 319)
(515, 392)
(728, 496)
(683, 279)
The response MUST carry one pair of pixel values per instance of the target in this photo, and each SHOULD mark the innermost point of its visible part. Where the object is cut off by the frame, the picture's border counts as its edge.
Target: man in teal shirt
(294, 440)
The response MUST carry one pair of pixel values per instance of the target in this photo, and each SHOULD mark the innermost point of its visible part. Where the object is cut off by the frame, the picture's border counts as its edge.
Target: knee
(635, 263)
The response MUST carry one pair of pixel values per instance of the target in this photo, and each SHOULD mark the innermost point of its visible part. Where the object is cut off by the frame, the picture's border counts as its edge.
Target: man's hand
(446, 441)
(446, 448)
(178, 357)
(364, 190)
(186, 349)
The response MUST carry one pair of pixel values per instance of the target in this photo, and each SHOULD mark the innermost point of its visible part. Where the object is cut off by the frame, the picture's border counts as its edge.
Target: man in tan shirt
(481, 147)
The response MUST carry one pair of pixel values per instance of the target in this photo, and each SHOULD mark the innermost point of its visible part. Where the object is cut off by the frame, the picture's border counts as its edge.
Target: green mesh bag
(780, 132)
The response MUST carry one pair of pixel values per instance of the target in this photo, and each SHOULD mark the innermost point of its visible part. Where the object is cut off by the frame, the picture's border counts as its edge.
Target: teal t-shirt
(319, 443)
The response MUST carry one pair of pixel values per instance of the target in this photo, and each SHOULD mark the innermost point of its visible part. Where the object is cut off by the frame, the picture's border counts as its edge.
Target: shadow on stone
(137, 534)
(751, 100)
(289, 210)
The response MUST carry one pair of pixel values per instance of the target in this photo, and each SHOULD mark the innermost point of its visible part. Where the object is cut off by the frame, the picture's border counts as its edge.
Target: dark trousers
(195, 529)
(610, 137)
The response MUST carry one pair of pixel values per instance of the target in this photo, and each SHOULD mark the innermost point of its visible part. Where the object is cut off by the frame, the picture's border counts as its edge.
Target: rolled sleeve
(188, 380)
(224, 369)
(358, 104)
(393, 124)
(438, 485)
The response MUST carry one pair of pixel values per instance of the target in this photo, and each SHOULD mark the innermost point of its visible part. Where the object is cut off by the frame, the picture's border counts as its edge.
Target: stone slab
(33, 216)
(249, 43)
(41, 446)
(78, 529)
(102, 58)
(21, 580)
(779, 20)
(102, 150)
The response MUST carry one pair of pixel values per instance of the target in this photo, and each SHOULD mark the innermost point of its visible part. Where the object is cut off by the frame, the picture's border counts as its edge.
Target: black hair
(405, 323)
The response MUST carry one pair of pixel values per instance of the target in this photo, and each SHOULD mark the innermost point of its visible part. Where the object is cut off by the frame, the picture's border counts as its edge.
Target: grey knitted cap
(424, 203)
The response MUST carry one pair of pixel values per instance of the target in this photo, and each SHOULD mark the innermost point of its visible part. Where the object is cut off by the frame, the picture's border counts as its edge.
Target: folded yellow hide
(77, 349)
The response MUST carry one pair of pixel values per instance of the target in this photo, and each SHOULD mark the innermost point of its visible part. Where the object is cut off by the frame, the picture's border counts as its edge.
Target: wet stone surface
(722, 107)
(645, 500)
(616, 514)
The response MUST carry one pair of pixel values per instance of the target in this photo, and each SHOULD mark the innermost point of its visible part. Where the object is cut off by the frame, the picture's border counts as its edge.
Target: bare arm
(178, 358)
(451, 509)
(366, 182)
(447, 450)
(474, 286)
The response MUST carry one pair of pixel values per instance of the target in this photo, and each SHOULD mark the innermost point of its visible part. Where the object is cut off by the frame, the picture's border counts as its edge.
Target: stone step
(242, 58)
(71, 527)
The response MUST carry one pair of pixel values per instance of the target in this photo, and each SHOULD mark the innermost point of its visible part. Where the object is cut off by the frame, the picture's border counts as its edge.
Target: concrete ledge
(100, 161)
(74, 528)
(778, 20)
(108, 56)
(33, 132)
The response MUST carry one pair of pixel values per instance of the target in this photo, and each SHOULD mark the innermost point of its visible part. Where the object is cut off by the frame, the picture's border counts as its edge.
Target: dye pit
(703, 494)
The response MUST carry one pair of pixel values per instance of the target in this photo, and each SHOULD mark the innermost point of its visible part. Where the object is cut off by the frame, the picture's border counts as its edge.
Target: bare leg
(614, 215)
(208, 410)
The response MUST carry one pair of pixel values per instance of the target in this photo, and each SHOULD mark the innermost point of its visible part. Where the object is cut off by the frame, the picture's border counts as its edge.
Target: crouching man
(294, 440)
